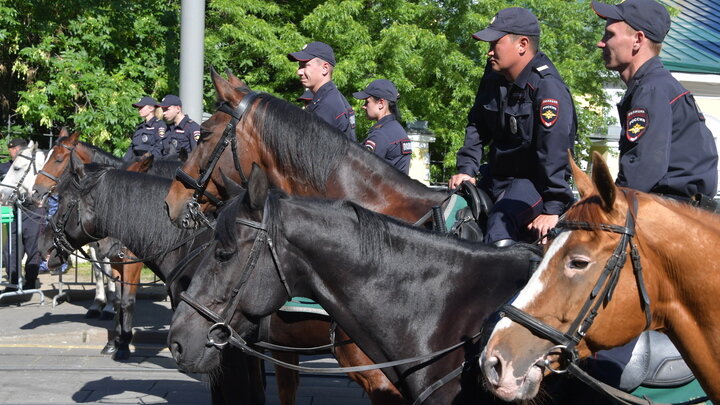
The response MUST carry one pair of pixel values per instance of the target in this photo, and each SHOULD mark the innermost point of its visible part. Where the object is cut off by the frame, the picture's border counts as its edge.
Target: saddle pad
(455, 204)
(301, 304)
(691, 390)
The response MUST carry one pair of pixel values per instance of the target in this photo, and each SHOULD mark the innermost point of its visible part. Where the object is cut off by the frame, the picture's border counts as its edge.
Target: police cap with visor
(380, 88)
(513, 20)
(146, 100)
(314, 50)
(647, 16)
(170, 100)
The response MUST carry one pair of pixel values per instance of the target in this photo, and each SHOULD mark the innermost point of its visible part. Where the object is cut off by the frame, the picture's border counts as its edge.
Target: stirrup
(503, 243)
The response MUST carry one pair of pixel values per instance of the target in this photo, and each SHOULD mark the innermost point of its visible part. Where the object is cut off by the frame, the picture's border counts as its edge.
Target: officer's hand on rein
(457, 179)
(542, 224)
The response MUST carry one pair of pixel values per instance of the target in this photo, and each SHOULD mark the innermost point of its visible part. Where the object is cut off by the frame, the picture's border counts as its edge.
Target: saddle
(655, 363)
(466, 212)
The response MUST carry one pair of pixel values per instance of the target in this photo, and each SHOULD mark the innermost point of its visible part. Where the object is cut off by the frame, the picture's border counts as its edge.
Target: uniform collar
(538, 60)
(384, 120)
(649, 65)
(183, 122)
(323, 91)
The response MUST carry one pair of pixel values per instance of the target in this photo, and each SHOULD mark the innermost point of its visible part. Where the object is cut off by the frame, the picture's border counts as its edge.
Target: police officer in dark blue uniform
(387, 138)
(524, 113)
(305, 98)
(14, 146)
(665, 146)
(147, 133)
(182, 133)
(316, 63)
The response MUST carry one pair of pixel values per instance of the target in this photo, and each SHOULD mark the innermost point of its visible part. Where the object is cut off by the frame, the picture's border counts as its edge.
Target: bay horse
(670, 283)
(68, 147)
(399, 291)
(302, 155)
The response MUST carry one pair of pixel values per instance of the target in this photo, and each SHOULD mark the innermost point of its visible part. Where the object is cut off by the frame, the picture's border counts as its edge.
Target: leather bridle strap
(50, 176)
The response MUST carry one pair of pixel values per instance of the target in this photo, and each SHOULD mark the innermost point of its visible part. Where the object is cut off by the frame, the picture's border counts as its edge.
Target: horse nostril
(176, 350)
(492, 368)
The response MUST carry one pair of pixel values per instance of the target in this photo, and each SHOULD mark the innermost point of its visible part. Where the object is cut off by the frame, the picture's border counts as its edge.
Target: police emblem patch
(144, 138)
(196, 134)
(174, 142)
(161, 131)
(370, 145)
(406, 147)
(549, 111)
(637, 123)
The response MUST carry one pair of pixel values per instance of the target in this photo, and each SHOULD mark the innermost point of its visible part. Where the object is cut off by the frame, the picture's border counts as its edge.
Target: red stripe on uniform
(675, 99)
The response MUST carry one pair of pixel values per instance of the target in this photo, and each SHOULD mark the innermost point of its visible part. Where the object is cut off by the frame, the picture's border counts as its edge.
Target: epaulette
(543, 70)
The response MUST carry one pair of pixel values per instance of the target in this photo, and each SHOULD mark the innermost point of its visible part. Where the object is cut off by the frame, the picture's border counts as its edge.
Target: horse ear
(223, 87)
(258, 186)
(603, 182)
(77, 166)
(146, 162)
(234, 81)
(63, 132)
(231, 187)
(74, 137)
(582, 180)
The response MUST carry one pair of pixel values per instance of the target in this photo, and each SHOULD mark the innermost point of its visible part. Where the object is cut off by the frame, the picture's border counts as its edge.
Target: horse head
(516, 357)
(55, 165)
(19, 180)
(217, 146)
(246, 287)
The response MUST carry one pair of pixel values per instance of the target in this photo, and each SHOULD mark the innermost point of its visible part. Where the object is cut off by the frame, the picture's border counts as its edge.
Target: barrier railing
(12, 216)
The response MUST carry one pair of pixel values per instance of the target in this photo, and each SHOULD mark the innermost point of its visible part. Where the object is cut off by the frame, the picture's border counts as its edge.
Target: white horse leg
(108, 312)
(100, 299)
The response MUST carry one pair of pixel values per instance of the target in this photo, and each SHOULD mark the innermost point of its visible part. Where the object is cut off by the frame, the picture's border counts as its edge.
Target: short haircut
(534, 40)
(655, 47)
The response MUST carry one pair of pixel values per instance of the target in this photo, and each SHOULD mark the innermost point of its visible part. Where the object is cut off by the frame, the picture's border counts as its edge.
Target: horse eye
(60, 159)
(204, 133)
(223, 255)
(578, 264)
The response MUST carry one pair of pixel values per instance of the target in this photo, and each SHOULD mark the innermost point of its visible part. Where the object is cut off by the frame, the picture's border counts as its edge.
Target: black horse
(98, 201)
(398, 291)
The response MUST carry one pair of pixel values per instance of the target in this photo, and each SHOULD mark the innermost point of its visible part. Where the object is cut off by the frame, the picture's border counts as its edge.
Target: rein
(221, 333)
(566, 342)
(227, 138)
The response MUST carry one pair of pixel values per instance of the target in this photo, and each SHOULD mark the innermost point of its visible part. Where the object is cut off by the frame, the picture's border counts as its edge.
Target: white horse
(19, 180)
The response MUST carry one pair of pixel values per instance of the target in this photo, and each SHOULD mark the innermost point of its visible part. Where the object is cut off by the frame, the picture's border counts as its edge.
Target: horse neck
(412, 291)
(98, 155)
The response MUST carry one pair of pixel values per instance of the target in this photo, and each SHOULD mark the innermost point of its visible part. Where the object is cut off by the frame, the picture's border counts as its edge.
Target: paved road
(52, 355)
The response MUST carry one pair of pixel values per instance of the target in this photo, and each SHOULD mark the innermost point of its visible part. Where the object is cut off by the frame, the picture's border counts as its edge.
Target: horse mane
(100, 156)
(146, 203)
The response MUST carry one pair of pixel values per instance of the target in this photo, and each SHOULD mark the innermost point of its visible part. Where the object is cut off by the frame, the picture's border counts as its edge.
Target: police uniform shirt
(5, 168)
(181, 136)
(146, 136)
(528, 125)
(665, 146)
(333, 108)
(388, 139)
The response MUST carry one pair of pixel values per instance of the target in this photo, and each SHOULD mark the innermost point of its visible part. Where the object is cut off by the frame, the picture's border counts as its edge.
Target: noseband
(33, 165)
(601, 293)
(222, 320)
(228, 138)
(52, 177)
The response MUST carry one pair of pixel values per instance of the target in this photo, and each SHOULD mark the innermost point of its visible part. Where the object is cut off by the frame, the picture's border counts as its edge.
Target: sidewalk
(52, 355)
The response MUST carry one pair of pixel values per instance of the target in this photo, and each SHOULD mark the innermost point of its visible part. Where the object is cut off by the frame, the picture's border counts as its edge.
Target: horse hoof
(107, 316)
(92, 313)
(121, 354)
(109, 348)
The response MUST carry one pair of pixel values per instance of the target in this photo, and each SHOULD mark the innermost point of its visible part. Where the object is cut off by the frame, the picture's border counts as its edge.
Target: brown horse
(302, 156)
(677, 270)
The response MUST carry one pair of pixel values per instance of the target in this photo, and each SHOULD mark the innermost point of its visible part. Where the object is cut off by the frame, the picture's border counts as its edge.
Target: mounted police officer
(149, 132)
(524, 113)
(387, 138)
(316, 62)
(665, 146)
(182, 133)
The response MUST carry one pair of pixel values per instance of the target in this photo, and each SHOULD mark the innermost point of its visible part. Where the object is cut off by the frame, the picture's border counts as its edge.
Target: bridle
(227, 138)
(566, 342)
(222, 320)
(52, 177)
(16, 189)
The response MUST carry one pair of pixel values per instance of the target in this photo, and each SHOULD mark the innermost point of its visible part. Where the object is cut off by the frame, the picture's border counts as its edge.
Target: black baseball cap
(380, 88)
(17, 142)
(170, 100)
(146, 100)
(307, 96)
(513, 20)
(314, 50)
(647, 16)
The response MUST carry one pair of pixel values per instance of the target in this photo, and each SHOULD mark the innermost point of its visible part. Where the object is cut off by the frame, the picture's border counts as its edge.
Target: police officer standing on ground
(182, 133)
(665, 146)
(387, 138)
(316, 63)
(524, 113)
(149, 132)
(14, 147)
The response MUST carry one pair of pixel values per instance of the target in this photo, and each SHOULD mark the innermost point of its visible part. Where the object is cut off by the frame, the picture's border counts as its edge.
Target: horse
(585, 296)
(18, 182)
(302, 156)
(68, 147)
(399, 291)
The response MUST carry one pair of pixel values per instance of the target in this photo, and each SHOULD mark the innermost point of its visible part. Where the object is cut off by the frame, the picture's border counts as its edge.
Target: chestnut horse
(670, 282)
(399, 291)
(302, 155)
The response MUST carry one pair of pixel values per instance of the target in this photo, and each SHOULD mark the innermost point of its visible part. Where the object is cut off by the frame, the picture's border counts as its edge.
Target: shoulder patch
(196, 134)
(161, 131)
(549, 111)
(637, 123)
(370, 145)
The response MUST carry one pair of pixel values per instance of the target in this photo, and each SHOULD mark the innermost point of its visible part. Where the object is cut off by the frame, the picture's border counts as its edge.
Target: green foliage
(82, 63)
